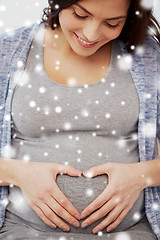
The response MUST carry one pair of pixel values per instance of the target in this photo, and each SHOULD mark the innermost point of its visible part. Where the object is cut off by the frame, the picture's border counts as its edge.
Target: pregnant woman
(79, 116)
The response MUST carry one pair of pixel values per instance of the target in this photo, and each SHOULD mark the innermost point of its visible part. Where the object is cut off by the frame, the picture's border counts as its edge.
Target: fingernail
(83, 225)
(88, 174)
(83, 216)
(66, 228)
(95, 230)
(53, 225)
(109, 229)
(78, 216)
(76, 224)
(79, 172)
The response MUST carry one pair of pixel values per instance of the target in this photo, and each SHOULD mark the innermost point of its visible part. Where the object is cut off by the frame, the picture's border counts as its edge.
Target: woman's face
(90, 24)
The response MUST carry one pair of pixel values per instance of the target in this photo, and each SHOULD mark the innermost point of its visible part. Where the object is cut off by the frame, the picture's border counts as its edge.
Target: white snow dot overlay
(108, 115)
(42, 89)
(62, 238)
(2, 8)
(100, 233)
(1, 23)
(32, 104)
(89, 192)
(123, 236)
(58, 109)
(136, 216)
(147, 4)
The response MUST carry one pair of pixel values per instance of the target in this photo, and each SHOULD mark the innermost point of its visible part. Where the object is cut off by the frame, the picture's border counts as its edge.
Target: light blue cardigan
(14, 49)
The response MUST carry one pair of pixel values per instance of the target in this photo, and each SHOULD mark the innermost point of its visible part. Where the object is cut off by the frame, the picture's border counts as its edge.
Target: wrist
(12, 170)
(149, 173)
(140, 175)
(20, 169)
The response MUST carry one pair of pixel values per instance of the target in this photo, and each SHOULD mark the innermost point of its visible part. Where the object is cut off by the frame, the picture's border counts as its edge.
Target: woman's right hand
(38, 184)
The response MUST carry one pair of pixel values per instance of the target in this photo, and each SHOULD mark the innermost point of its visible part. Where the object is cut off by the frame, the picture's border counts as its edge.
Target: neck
(61, 44)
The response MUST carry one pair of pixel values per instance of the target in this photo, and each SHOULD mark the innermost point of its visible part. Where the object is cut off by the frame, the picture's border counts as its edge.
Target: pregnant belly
(81, 192)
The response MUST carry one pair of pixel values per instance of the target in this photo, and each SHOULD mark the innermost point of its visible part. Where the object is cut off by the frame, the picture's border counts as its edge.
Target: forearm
(149, 173)
(9, 169)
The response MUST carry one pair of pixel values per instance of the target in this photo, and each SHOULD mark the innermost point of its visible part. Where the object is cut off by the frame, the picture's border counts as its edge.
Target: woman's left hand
(122, 191)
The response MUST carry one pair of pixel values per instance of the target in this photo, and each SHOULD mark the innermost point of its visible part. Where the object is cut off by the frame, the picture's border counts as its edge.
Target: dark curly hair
(139, 22)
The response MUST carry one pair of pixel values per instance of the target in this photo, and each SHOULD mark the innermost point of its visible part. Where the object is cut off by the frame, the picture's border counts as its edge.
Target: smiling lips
(84, 43)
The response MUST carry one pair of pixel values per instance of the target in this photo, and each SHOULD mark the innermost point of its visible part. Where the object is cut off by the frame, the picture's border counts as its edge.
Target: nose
(91, 32)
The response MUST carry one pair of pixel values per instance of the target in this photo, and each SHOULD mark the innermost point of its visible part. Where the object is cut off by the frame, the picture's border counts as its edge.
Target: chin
(84, 54)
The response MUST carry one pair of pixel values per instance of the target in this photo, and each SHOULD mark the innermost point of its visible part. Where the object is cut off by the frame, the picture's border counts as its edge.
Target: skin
(123, 189)
(99, 27)
(118, 197)
(92, 28)
(46, 199)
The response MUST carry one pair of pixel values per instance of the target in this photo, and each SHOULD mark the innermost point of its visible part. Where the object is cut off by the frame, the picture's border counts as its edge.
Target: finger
(99, 213)
(110, 218)
(118, 220)
(51, 216)
(113, 214)
(97, 170)
(60, 211)
(47, 221)
(65, 203)
(104, 197)
(106, 221)
(69, 169)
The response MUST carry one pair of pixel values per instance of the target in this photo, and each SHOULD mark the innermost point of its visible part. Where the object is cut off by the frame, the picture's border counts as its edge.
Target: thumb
(95, 171)
(70, 170)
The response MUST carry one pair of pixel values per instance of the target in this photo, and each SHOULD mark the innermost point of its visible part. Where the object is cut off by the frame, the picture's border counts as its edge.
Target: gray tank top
(83, 126)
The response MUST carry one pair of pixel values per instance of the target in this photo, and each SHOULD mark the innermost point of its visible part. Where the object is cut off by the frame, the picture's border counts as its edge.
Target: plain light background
(17, 13)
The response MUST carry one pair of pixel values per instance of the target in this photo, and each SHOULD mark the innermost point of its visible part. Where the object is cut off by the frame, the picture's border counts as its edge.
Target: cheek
(113, 34)
(67, 21)
(63, 20)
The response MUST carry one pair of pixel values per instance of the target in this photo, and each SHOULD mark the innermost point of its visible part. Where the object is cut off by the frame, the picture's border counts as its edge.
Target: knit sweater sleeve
(157, 49)
(13, 48)
(5, 48)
